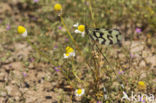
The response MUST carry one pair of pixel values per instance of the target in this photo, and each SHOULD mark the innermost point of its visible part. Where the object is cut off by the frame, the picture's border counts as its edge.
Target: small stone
(27, 85)
(142, 64)
(48, 97)
(143, 75)
(152, 60)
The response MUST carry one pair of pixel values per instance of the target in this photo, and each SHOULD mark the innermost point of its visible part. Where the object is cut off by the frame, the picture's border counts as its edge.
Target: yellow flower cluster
(141, 85)
(57, 7)
(79, 92)
(81, 28)
(21, 29)
(69, 52)
(69, 49)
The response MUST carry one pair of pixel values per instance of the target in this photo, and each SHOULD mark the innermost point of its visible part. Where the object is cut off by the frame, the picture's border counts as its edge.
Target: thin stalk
(91, 11)
(75, 73)
(108, 62)
(68, 32)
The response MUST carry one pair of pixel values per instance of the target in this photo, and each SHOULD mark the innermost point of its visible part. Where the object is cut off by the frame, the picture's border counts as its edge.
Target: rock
(13, 90)
(151, 60)
(48, 97)
(2, 76)
(137, 47)
(143, 75)
(142, 64)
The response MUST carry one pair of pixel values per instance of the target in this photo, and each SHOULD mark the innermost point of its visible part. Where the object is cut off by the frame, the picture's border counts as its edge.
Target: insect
(104, 36)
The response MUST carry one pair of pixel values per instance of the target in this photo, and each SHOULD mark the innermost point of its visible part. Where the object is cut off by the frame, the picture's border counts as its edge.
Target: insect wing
(105, 36)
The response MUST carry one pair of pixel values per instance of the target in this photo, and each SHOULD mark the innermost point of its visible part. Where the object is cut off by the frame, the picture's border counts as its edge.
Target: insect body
(105, 36)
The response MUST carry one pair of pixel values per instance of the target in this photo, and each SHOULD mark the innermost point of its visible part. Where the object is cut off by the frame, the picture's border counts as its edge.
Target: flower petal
(77, 31)
(65, 56)
(83, 34)
(25, 34)
(76, 25)
(72, 54)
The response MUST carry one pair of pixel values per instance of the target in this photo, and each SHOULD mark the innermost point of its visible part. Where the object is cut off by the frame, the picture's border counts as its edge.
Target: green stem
(91, 11)
(68, 32)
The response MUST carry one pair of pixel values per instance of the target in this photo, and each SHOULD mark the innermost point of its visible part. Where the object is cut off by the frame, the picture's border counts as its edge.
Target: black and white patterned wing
(105, 36)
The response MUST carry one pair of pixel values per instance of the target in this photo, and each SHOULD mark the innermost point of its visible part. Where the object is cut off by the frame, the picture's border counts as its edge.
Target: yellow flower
(79, 92)
(21, 29)
(141, 85)
(58, 7)
(81, 28)
(69, 49)
(69, 52)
